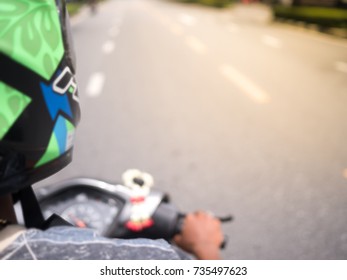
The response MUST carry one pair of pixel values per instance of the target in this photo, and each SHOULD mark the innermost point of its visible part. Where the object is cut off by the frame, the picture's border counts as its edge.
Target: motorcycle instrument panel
(84, 208)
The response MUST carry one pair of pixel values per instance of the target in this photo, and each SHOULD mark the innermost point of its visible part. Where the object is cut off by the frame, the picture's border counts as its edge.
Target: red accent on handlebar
(139, 226)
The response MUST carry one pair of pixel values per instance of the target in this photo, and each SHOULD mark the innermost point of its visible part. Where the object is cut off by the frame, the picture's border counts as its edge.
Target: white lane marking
(271, 41)
(246, 85)
(108, 47)
(196, 45)
(95, 84)
(341, 66)
(344, 173)
(176, 29)
(187, 20)
(233, 28)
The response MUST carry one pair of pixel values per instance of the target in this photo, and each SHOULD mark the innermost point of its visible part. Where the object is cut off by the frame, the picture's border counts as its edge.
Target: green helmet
(39, 106)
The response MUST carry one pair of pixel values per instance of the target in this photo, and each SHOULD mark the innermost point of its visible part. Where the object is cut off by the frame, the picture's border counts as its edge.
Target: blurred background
(234, 107)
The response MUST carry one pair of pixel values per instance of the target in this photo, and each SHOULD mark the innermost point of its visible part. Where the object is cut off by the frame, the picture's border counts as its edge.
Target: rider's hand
(201, 235)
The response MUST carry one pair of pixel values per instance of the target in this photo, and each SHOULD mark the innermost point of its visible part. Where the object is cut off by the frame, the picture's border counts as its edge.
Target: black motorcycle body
(109, 208)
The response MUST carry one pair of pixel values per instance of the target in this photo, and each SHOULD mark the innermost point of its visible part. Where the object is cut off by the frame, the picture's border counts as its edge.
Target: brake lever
(225, 219)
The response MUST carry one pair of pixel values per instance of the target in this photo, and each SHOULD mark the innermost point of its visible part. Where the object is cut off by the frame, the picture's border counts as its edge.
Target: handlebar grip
(167, 221)
(179, 224)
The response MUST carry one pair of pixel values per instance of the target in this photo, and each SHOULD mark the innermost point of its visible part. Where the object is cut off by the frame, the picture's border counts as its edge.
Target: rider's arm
(201, 235)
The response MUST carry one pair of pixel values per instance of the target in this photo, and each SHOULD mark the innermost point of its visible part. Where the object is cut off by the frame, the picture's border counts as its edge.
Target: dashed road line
(341, 66)
(176, 29)
(187, 19)
(245, 84)
(271, 41)
(196, 45)
(249, 88)
(108, 47)
(95, 84)
(344, 173)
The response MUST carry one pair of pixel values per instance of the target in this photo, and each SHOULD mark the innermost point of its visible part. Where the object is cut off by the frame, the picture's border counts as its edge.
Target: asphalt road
(229, 115)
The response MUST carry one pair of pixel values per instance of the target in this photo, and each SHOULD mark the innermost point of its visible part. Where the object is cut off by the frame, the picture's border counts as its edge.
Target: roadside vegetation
(74, 7)
(213, 3)
(321, 16)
